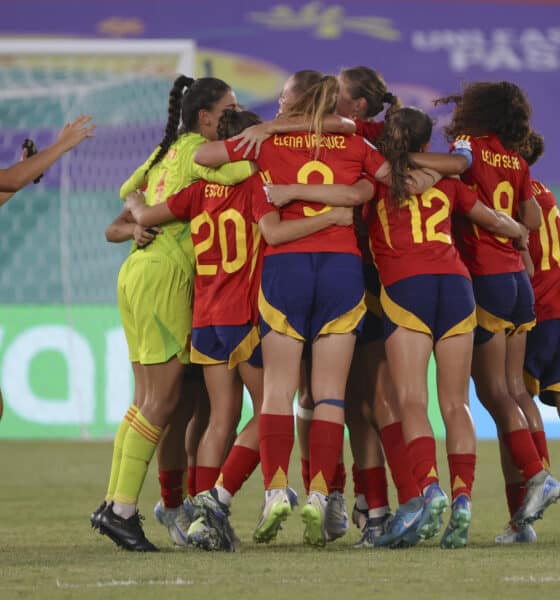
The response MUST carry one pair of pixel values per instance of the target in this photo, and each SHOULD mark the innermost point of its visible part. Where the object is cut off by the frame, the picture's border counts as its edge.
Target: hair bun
(388, 98)
(183, 82)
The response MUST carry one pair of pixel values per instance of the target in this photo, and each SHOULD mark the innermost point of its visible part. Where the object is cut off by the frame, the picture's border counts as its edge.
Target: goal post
(63, 361)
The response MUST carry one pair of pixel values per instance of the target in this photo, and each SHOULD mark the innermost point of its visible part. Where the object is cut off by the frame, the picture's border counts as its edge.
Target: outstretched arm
(446, 164)
(19, 175)
(275, 231)
(333, 195)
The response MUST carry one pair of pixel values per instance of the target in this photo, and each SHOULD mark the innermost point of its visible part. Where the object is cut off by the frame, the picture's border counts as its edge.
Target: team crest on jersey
(462, 144)
(171, 154)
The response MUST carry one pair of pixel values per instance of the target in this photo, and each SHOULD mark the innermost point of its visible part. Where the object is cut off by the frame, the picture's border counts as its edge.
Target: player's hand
(343, 215)
(77, 131)
(252, 137)
(143, 237)
(279, 195)
(522, 243)
(134, 199)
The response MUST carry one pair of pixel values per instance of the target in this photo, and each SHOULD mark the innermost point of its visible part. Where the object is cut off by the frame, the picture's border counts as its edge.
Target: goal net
(67, 350)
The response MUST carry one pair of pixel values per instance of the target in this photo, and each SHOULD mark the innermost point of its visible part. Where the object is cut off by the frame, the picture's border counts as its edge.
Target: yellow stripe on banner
(524, 327)
(373, 304)
(276, 319)
(347, 322)
(245, 348)
(200, 358)
(402, 317)
(532, 383)
(491, 322)
(464, 326)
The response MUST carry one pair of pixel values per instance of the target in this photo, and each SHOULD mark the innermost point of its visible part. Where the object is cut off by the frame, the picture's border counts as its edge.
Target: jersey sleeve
(462, 145)
(228, 174)
(180, 204)
(137, 179)
(238, 154)
(373, 159)
(260, 204)
(465, 197)
(370, 130)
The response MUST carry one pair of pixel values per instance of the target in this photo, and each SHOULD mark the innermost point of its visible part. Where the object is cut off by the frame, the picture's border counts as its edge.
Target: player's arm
(445, 164)
(335, 194)
(227, 174)
(275, 231)
(497, 223)
(124, 228)
(212, 154)
(147, 216)
(19, 175)
(528, 263)
(530, 214)
(254, 136)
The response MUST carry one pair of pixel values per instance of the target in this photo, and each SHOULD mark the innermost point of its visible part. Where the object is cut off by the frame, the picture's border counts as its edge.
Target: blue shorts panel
(231, 344)
(438, 305)
(542, 359)
(372, 329)
(504, 302)
(304, 295)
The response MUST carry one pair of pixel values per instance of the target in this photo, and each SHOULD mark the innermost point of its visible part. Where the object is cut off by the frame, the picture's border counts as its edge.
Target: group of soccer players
(331, 253)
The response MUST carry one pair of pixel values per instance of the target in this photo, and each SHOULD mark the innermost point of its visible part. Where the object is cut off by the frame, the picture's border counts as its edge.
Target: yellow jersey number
(227, 263)
(548, 236)
(315, 166)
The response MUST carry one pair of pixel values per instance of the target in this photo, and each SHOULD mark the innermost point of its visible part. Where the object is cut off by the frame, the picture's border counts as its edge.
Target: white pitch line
(532, 579)
(123, 583)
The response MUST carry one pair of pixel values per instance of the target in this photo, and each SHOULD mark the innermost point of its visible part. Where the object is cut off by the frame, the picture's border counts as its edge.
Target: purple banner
(424, 49)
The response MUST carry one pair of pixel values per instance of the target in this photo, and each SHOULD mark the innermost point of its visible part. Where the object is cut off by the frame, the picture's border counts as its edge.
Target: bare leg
(305, 409)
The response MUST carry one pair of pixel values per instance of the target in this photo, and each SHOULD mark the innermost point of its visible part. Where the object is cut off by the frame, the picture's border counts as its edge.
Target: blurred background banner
(63, 360)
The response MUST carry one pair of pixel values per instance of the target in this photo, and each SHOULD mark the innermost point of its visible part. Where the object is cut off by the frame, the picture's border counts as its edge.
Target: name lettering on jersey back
(331, 142)
(505, 161)
(215, 190)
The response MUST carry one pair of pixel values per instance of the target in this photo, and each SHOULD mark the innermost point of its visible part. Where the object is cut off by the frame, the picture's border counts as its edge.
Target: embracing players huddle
(327, 252)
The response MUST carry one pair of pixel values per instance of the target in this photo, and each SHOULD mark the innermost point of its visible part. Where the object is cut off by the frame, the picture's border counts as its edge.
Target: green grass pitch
(48, 550)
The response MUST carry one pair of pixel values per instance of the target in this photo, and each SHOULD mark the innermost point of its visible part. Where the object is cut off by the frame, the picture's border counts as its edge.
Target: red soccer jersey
(415, 238)
(227, 247)
(291, 158)
(371, 130)
(501, 180)
(544, 248)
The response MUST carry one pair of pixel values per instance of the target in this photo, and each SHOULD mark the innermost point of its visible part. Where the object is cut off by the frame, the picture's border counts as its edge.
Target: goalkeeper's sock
(138, 449)
(117, 451)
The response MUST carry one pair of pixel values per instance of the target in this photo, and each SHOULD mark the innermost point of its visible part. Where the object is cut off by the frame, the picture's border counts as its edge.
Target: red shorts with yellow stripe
(231, 344)
(439, 305)
(307, 294)
(504, 302)
(542, 361)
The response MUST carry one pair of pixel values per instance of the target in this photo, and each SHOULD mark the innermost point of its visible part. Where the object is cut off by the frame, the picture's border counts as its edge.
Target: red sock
(375, 486)
(523, 452)
(358, 483)
(276, 440)
(305, 474)
(325, 443)
(539, 439)
(422, 456)
(339, 479)
(239, 465)
(171, 484)
(191, 481)
(515, 494)
(397, 459)
(206, 478)
(461, 473)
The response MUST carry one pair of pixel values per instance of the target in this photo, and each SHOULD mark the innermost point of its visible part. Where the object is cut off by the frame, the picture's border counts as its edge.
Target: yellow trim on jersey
(347, 322)
(256, 247)
(491, 322)
(524, 327)
(373, 304)
(464, 326)
(245, 348)
(532, 383)
(553, 387)
(276, 319)
(402, 317)
(199, 358)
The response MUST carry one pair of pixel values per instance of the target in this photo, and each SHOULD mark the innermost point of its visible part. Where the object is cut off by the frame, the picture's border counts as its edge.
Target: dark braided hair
(173, 118)
(233, 122)
(406, 130)
(488, 107)
(368, 84)
(532, 148)
(201, 95)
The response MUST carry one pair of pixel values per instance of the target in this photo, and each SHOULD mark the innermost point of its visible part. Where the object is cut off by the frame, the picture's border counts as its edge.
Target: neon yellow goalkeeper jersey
(172, 173)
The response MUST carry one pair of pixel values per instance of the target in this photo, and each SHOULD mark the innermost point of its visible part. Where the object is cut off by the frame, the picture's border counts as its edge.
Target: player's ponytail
(173, 117)
(405, 130)
(315, 103)
(363, 82)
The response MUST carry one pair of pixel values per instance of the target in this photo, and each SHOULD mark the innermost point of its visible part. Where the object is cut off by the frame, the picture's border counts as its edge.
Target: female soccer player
(489, 121)
(225, 339)
(318, 308)
(155, 290)
(542, 360)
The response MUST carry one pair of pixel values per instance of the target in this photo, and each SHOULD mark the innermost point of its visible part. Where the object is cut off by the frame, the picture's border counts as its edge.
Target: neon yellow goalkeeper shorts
(155, 301)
